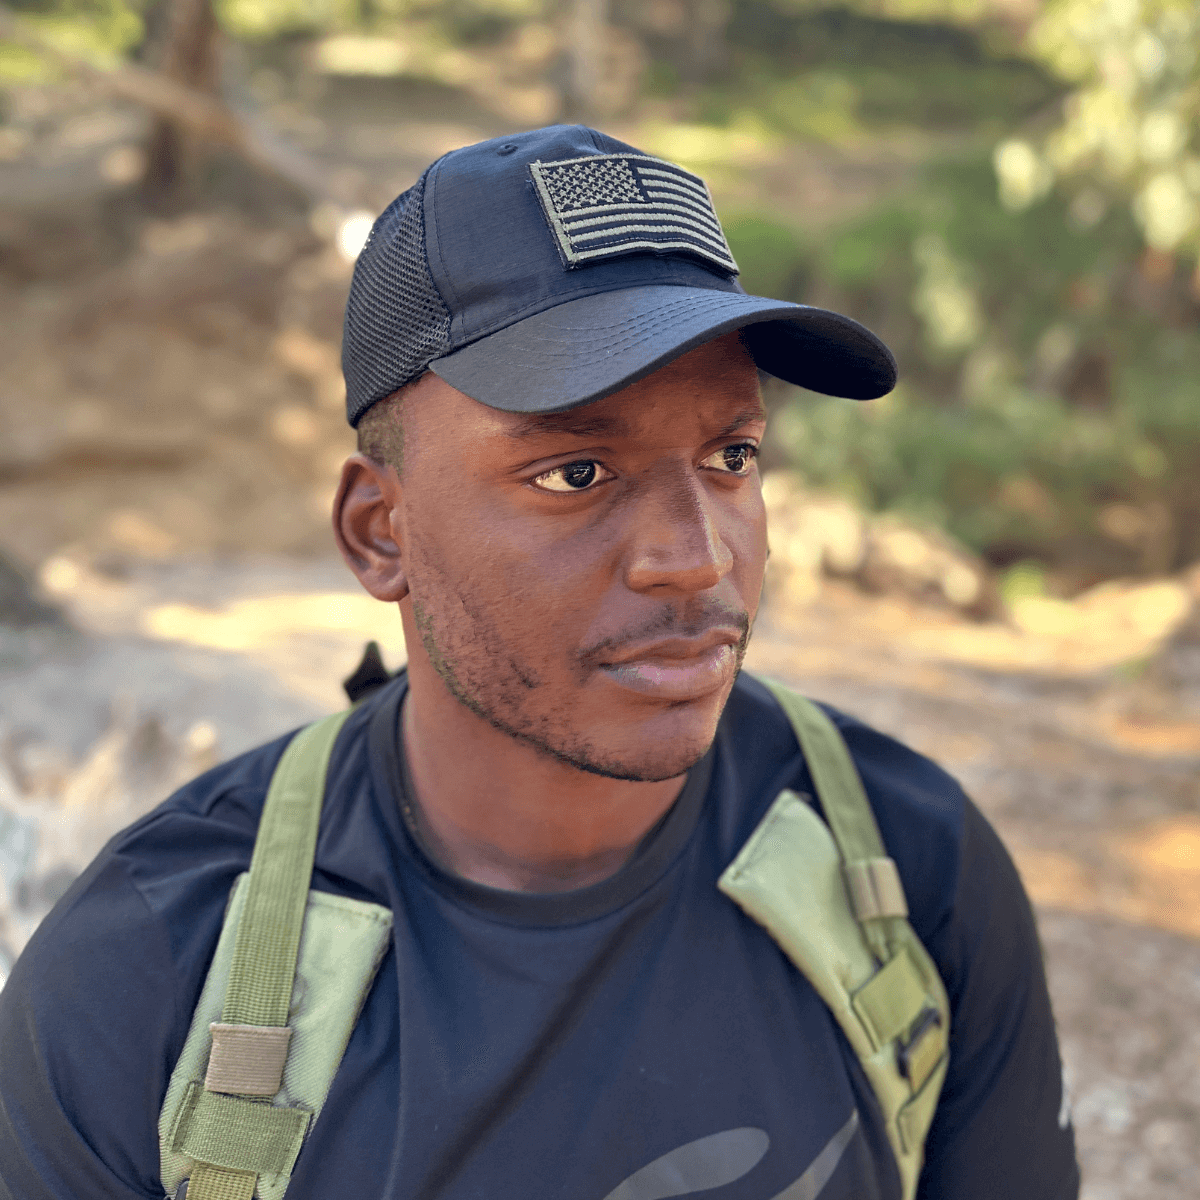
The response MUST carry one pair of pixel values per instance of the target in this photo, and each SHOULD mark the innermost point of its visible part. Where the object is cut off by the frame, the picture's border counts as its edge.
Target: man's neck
(497, 811)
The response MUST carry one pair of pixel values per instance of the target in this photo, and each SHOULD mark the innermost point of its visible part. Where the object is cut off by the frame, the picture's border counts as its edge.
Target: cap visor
(589, 348)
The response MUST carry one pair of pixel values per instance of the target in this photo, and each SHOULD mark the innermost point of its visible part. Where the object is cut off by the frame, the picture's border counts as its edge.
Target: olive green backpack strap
(832, 898)
(290, 973)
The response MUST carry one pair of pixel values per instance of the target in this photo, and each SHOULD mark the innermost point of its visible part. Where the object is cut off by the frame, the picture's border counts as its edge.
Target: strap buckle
(929, 1018)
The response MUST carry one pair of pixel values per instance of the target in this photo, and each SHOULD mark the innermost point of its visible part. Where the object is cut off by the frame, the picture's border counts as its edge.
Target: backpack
(293, 967)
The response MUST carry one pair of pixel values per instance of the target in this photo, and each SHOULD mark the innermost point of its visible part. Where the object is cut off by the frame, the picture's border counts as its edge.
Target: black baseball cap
(544, 270)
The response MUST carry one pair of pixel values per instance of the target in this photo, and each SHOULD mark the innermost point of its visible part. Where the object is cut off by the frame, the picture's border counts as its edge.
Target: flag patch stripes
(608, 205)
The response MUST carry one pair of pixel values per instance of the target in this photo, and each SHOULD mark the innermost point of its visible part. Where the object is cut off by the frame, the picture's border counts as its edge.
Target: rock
(20, 606)
(54, 818)
(1177, 667)
(810, 535)
(1137, 614)
(18, 841)
(813, 534)
(926, 564)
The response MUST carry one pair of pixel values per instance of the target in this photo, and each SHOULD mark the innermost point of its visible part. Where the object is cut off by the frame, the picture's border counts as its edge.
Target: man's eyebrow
(585, 424)
(753, 412)
(578, 424)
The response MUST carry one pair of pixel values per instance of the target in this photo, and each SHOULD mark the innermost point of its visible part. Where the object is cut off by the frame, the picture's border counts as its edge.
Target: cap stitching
(457, 301)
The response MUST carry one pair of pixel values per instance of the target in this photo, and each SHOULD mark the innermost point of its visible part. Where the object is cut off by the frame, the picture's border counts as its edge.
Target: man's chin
(654, 770)
(649, 744)
(641, 759)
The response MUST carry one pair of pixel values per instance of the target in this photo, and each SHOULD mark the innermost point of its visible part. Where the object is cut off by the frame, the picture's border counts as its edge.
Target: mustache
(671, 623)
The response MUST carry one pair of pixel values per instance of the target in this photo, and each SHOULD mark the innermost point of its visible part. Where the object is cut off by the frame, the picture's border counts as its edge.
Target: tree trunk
(707, 50)
(587, 25)
(201, 115)
(187, 54)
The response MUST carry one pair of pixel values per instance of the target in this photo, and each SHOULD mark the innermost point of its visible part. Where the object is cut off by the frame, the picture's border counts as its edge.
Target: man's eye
(574, 477)
(732, 460)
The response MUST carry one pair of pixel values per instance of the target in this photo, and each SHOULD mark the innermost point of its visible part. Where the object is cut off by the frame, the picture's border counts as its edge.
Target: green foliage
(829, 72)
(102, 31)
(1041, 381)
(1024, 469)
(20, 65)
(661, 79)
(772, 258)
(261, 20)
(1129, 124)
(1023, 580)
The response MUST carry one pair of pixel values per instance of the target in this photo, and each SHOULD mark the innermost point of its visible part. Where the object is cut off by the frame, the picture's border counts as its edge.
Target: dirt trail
(178, 664)
(170, 430)
(1107, 838)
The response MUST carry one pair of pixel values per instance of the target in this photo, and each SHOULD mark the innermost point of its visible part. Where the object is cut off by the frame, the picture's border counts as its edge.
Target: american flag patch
(611, 204)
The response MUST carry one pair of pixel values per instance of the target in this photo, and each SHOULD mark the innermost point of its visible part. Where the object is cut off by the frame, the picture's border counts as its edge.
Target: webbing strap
(847, 810)
(216, 1183)
(876, 889)
(895, 1012)
(264, 955)
(238, 1134)
(891, 1000)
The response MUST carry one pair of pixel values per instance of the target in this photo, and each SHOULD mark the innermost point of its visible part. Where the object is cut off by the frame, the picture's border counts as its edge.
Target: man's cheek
(553, 587)
(747, 540)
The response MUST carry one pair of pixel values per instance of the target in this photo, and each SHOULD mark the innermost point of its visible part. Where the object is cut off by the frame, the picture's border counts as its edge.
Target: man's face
(586, 581)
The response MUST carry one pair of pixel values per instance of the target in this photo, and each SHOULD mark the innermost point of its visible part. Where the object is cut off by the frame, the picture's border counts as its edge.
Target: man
(554, 377)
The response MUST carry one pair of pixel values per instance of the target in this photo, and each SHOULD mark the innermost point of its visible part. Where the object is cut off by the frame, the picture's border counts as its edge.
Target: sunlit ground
(1150, 874)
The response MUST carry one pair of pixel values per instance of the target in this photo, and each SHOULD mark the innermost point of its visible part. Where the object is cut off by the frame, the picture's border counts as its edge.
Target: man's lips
(679, 668)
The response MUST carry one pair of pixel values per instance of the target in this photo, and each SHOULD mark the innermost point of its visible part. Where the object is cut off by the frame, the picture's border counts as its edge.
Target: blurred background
(998, 563)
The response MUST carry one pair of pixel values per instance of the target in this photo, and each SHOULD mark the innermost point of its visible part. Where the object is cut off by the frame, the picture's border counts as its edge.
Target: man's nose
(675, 542)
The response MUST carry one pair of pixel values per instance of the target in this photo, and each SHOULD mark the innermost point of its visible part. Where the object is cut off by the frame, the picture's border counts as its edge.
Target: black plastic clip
(928, 1019)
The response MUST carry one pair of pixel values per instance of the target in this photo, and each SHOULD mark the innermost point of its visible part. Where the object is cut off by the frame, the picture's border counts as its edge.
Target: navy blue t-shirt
(637, 1039)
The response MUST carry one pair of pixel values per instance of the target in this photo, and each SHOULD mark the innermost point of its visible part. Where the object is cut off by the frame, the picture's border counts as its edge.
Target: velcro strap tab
(918, 1056)
(216, 1183)
(891, 1000)
(243, 1135)
(247, 1060)
(875, 889)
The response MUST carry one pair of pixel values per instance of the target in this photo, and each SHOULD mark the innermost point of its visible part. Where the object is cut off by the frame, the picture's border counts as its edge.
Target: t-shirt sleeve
(1001, 1129)
(88, 1022)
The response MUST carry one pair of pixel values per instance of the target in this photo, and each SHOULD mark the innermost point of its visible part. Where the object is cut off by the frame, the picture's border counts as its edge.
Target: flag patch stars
(608, 205)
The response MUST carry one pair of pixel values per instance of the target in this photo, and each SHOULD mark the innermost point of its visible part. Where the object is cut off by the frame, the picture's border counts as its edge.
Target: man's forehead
(601, 419)
(715, 384)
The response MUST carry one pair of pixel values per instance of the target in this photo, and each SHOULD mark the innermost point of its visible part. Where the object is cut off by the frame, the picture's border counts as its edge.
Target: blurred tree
(586, 41)
(186, 53)
(1128, 128)
(707, 52)
(102, 30)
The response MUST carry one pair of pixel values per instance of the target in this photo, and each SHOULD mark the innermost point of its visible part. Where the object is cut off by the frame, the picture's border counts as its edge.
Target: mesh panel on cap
(396, 323)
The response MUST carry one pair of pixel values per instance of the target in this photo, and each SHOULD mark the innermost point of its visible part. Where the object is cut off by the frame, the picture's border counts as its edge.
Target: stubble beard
(481, 671)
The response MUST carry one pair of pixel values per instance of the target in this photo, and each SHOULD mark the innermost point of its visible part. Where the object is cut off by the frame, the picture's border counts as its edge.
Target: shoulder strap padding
(340, 949)
(796, 877)
(234, 1146)
(876, 893)
(788, 878)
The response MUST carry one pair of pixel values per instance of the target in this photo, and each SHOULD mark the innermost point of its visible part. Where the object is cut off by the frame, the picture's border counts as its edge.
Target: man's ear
(367, 525)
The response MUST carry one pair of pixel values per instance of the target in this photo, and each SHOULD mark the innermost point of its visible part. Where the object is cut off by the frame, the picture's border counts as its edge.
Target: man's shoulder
(919, 807)
(903, 785)
(177, 863)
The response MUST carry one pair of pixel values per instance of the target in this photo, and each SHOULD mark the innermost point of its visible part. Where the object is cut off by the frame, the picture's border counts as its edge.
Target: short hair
(381, 431)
